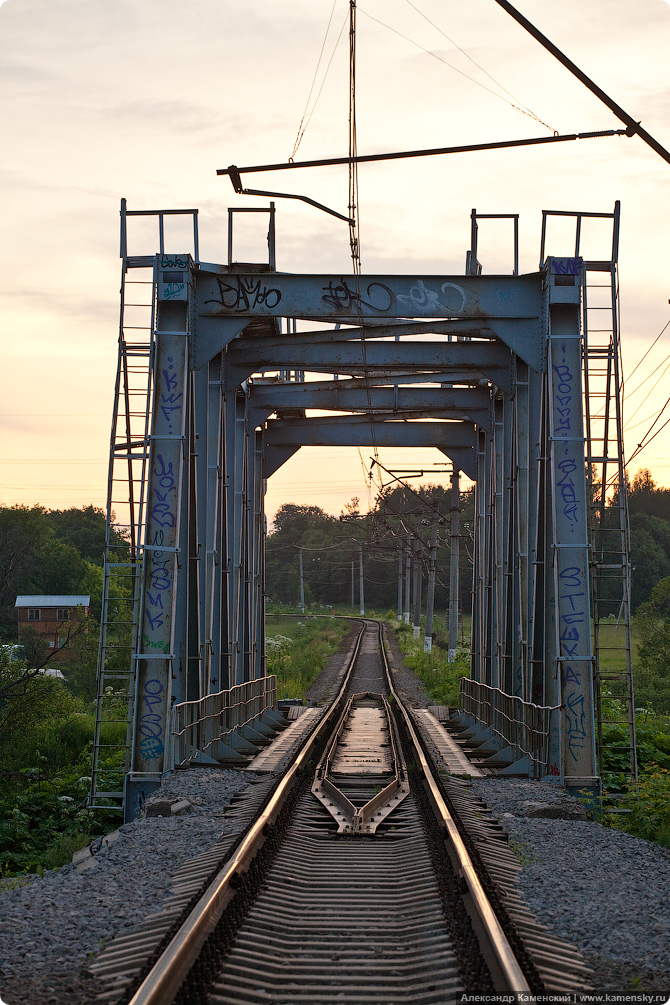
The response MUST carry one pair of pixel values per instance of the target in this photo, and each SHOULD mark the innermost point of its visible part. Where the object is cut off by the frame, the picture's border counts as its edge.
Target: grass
(440, 677)
(299, 648)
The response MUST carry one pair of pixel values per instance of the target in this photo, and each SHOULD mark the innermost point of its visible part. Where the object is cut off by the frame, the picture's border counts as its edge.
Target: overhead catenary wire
(306, 119)
(665, 362)
(647, 439)
(429, 52)
(641, 361)
(479, 66)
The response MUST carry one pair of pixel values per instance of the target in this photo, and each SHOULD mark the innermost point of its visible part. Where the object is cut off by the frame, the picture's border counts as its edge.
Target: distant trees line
(46, 551)
(330, 545)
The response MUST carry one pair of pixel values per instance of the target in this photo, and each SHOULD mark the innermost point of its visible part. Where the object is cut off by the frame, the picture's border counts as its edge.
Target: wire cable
(303, 128)
(462, 73)
(641, 361)
(520, 104)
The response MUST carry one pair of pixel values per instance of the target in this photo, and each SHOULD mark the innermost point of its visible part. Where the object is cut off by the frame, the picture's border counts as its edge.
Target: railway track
(352, 885)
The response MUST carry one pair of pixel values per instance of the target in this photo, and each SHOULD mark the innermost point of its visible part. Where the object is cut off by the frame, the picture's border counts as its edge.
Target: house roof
(78, 601)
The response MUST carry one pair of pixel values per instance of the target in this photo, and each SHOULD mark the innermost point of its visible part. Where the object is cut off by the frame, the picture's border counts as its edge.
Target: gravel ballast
(57, 923)
(601, 889)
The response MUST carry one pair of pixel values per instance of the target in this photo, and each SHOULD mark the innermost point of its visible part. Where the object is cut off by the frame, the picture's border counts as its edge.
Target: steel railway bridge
(515, 378)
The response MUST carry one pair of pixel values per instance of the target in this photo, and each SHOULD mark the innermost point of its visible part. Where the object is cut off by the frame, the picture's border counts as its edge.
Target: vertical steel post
(192, 546)
(212, 629)
(361, 589)
(498, 533)
(154, 649)
(408, 577)
(478, 662)
(522, 426)
(507, 625)
(258, 571)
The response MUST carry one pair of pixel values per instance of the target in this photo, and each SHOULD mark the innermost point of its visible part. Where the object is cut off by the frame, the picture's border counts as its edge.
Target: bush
(648, 804)
(299, 660)
(652, 674)
(441, 678)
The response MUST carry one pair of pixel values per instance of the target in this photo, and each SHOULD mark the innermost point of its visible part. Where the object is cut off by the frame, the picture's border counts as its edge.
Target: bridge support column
(159, 672)
(573, 660)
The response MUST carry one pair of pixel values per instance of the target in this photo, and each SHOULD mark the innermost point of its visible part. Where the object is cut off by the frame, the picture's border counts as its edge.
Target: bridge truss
(509, 380)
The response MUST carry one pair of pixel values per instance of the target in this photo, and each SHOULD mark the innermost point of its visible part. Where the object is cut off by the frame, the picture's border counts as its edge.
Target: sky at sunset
(145, 99)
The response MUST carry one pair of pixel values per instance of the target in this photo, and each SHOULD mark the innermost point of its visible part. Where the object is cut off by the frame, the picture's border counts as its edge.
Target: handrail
(519, 724)
(203, 721)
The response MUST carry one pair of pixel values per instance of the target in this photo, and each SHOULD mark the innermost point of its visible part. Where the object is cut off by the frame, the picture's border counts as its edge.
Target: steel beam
(455, 439)
(489, 360)
(471, 404)
(326, 297)
(154, 655)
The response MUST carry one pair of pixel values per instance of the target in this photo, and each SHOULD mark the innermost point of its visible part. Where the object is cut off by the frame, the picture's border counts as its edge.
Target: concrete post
(430, 596)
(454, 562)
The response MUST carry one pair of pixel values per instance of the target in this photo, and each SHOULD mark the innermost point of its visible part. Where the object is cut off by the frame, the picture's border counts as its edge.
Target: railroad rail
(354, 882)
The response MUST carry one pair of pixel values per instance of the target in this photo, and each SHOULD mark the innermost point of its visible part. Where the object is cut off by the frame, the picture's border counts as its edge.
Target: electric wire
(665, 362)
(641, 361)
(462, 73)
(645, 441)
(521, 105)
(301, 132)
(302, 129)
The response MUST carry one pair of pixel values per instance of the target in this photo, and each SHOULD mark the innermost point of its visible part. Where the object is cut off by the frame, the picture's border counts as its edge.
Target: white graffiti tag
(425, 300)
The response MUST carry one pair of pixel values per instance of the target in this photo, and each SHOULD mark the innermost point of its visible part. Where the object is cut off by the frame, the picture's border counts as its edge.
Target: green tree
(35, 561)
(652, 677)
(649, 564)
(24, 533)
(84, 529)
(27, 699)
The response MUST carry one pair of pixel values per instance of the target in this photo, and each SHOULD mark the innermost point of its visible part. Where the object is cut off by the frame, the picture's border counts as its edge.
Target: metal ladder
(607, 501)
(126, 493)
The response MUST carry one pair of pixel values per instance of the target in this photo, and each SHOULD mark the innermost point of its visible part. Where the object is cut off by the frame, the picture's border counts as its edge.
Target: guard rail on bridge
(211, 722)
(519, 727)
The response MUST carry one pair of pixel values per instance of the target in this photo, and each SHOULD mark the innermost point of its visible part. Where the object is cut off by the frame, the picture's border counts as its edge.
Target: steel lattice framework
(496, 383)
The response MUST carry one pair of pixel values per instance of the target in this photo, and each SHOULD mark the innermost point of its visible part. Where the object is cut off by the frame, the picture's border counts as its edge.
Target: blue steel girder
(463, 328)
(457, 440)
(510, 305)
(470, 404)
(491, 360)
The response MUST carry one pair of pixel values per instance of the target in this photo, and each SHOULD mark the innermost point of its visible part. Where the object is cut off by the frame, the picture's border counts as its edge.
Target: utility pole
(408, 577)
(302, 583)
(400, 571)
(453, 565)
(353, 592)
(416, 620)
(430, 598)
(361, 594)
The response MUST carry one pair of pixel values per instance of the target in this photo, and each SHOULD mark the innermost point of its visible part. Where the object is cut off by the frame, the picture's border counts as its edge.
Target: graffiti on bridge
(240, 294)
(574, 625)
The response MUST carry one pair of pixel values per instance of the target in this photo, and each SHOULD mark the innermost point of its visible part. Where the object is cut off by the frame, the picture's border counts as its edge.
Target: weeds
(299, 653)
(441, 678)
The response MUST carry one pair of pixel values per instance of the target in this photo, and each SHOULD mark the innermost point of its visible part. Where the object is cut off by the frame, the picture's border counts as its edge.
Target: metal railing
(516, 723)
(200, 723)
